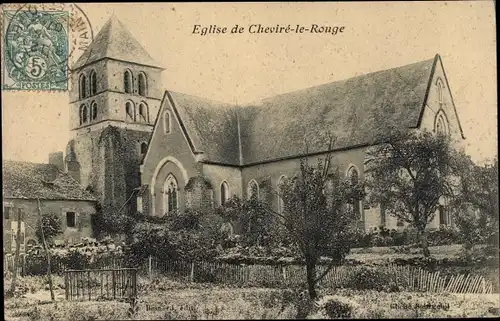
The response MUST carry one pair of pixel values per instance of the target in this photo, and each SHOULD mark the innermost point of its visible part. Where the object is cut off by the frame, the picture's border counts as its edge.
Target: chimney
(57, 159)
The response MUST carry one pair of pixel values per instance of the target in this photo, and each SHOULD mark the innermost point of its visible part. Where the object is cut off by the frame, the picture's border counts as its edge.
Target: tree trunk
(424, 242)
(468, 250)
(18, 249)
(311, 278)
(49, 274)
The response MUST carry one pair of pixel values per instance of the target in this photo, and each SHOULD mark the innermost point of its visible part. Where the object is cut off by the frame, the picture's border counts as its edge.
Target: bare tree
(316, 216)
(47, 252)
(17, 254)
(409, 174)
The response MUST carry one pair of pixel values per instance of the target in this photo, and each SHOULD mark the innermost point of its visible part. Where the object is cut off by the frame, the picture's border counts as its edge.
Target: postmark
(40, 43)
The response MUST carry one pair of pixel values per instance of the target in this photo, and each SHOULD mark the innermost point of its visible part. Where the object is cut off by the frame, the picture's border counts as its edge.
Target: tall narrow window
(80, 113)
(143, 84)
(253, 189)
(129, 110)
(440, 92)
(382, 215)
(93, 83)
(281, 205)
(70, 219)
(94, 110)
(85, 114)
(443, 215)
(166, 122)
(139, 204)
(143, 112)
(224, 192)
(170, 196)
(144, 148)
(82, 86)
(6, 212)
(127, 81)
(354, 180)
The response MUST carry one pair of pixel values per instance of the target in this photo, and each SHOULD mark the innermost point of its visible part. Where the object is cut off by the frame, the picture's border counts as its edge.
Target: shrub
(374, 278)
(384, 237)
(76, 260)
(334, 307)
(444, 236)
(51, 224)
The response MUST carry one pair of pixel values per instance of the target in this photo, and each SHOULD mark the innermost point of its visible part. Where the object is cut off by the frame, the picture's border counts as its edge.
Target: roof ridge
(203, 98)
(338, 81)
(22, 161)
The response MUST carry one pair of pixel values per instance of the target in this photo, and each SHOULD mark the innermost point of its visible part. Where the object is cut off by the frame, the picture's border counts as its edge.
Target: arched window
(227, 229)
(129, 110)
(441, 124)
(253, 189)
(144, 148)
(143, 84)
(224, 192)
(82, 86)
(93, 110)
(170, 195)
(84, 114)
(93, 83)
(281, 204)
(353, 176)
(166, 122)
(127, 81)
(143, 112)
(80, 113)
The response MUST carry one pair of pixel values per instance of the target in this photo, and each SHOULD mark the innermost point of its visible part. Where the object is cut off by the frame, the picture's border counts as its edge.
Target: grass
(183, 301)
(253, 303)
(169, 300)
(373, 304)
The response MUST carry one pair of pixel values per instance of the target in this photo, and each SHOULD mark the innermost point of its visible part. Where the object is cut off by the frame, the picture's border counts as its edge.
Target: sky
(239, 68)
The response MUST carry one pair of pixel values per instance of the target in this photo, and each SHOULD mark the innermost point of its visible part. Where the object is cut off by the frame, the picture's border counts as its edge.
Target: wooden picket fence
(101, 284)
(9, 264)
(408, 278)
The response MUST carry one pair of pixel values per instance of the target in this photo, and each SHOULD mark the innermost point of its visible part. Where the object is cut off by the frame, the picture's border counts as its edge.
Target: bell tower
(114, 99)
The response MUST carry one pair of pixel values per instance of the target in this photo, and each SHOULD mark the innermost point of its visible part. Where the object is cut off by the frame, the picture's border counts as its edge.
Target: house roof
(354, 110)
(211, 126)
(45, 181)
(114, 41)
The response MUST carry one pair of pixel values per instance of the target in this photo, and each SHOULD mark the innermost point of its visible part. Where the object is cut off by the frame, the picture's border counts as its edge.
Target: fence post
(192, 272)
(150, 268)
(113, 283)
(66, 287)
(89, 285)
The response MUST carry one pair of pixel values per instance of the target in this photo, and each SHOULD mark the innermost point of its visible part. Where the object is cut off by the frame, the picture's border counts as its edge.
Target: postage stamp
(36, 50)
(40, 43)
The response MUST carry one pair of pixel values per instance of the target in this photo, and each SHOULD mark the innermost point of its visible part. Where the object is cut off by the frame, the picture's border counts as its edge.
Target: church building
(140, 148)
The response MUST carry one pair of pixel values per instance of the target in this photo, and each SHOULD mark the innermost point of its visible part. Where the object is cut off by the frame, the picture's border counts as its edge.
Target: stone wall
(83, 209)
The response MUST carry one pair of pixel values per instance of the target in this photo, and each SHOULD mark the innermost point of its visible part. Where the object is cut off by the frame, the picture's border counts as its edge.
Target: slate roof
(32, 180)
(353, 110)
(212, 126)
(116, 42)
